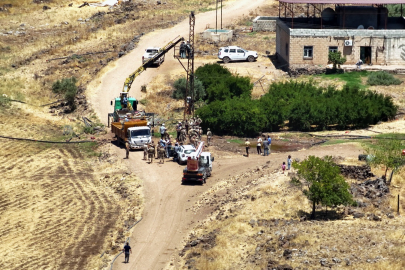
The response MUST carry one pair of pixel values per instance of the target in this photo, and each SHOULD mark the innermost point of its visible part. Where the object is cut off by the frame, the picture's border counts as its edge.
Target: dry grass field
(253, 226)
(62, 206)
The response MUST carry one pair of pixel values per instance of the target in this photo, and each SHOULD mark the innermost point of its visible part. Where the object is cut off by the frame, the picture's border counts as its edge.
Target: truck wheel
(226, 60)
(251, 58)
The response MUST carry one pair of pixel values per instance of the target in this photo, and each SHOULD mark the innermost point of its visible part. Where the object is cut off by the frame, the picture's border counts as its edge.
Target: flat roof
(359, 2)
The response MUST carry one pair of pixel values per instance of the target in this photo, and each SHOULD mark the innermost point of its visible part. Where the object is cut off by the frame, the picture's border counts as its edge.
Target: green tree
(386, 152)
(336, 59)
(66, 87)
(180, 89)
(326, 186)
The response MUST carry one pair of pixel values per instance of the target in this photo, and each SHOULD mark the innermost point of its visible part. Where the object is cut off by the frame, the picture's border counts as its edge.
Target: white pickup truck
(150, 53)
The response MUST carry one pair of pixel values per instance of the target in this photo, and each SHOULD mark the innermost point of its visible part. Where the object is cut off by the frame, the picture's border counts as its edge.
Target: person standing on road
(269, 141)
(289, 161)
(283, 167)
(127, 149)
(247, 144)
(266, 148)
(259, 145)
(178, 130)
(162, 130)
(209, 136)
(127, 250)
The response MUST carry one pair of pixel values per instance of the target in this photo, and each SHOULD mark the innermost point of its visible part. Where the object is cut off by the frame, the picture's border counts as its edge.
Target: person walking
(283, 167)
(127, 250)
(247, 144)
(259, 145)
(162, 130)
(289, 161)
(269, 141)
(266, 148)
(127, 149)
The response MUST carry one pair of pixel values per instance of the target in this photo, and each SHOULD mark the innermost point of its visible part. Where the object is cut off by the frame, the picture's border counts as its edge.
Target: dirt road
(112, 82)
(158, 237)
(166, 220)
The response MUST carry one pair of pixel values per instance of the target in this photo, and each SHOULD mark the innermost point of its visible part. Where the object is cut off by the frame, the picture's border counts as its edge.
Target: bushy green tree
(229, 87)
(382, 78)
(386, 152)
(336, 59)
(238, 116)
(211, 74)
(325, 184)
(66, 87)
(180, 89)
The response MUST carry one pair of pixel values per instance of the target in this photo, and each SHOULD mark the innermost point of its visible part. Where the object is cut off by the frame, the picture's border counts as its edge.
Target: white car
(235, 53)
(150, 53)
(184, 152)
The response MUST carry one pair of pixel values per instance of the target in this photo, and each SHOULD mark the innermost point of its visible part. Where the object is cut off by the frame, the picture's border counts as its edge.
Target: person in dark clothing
(127, 250)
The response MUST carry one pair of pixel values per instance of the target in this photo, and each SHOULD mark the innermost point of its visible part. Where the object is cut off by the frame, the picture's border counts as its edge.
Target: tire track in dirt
(53, 214)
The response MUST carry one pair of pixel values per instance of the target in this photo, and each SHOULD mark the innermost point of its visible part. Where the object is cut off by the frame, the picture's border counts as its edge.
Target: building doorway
(365, 55)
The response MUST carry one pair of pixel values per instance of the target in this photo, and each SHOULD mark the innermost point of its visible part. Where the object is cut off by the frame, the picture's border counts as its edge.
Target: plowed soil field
(55, 211)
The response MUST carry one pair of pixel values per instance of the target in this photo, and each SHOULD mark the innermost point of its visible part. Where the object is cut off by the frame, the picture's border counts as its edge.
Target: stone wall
(387, 46)
(261, 23)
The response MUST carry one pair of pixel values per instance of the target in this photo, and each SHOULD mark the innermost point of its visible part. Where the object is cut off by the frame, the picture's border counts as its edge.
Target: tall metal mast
(189, 97)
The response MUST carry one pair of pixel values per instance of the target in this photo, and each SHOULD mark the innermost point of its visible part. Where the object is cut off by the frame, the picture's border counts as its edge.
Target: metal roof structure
(342, 2)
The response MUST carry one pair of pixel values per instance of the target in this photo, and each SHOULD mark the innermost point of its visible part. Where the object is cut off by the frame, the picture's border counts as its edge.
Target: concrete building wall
(283, 47)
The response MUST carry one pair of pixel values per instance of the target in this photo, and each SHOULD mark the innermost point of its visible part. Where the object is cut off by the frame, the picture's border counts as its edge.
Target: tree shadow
(327, 215)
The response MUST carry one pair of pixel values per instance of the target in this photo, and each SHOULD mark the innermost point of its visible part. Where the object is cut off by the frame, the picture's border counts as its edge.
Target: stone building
(359, 29)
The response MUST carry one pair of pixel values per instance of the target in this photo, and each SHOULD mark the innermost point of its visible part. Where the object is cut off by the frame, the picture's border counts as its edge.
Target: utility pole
(221, 14)
(216, 17)
(189, 95)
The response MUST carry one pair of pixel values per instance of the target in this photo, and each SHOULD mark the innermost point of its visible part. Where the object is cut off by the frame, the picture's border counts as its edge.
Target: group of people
(266, 145)
(186, 50)
(160, 151)
(192, 129)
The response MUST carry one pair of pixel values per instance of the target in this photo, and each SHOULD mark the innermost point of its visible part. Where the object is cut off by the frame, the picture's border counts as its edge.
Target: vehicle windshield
(141, 132)
(189, 151)
(151, 51)
(204, 160)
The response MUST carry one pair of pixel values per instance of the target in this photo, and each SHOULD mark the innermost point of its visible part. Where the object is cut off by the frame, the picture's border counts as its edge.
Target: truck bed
(121, 130)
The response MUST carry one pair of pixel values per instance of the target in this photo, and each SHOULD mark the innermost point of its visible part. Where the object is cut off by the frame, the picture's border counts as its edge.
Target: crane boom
(161, 52)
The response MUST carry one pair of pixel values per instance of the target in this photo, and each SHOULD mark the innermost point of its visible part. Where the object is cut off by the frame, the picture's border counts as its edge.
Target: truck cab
(118, 105)
(139, 136)
(150, 53)
(198, 168)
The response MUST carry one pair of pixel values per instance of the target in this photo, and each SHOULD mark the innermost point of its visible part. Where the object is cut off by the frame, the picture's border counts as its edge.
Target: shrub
(66, 87)
(180, 89)
(382, 78)
(4, 101)
(336, 59)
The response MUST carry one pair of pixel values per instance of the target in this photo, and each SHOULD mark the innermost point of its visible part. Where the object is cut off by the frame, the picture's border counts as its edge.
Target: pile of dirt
(356, 172)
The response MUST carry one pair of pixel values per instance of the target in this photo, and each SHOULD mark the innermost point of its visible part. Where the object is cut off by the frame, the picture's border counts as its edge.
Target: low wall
(262, 23)
(219, 35)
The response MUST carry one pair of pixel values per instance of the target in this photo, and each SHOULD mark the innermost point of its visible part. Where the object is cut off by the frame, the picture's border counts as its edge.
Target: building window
(333, 49)
(308, 52)
(286, 49)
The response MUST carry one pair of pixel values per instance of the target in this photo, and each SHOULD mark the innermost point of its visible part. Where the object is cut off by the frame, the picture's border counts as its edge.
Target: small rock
(323, 261)
(347, 260)
(193, 243)
(336, 260)
(390, 215)
(45, 8)
(358, 215)
(376, 218)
